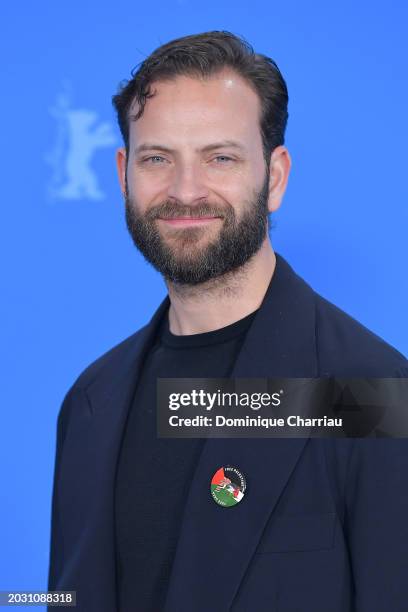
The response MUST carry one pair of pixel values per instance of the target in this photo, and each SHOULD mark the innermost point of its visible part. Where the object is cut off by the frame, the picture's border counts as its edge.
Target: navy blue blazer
(323, 526)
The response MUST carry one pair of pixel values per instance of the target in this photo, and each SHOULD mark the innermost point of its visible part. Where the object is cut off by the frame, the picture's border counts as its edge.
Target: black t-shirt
(154, 474)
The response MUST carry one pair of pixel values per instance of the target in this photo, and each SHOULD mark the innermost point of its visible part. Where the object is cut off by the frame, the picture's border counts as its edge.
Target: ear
(121, 162)
(279, 168)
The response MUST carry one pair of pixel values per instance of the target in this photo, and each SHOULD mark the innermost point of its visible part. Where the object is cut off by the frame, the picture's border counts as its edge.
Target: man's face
(197, 187)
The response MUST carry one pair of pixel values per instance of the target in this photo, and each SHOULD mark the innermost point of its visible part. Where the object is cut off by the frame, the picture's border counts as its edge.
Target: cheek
(144, 189)
(234, 194)
(238, 185)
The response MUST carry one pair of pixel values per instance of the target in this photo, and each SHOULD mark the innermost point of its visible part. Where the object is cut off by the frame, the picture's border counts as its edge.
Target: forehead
(200, 109)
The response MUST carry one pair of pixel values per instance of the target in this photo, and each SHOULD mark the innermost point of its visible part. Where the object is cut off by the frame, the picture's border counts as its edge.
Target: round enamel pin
(227, 486)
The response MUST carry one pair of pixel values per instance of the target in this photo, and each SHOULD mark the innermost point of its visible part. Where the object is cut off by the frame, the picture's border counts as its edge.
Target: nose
(188, 184)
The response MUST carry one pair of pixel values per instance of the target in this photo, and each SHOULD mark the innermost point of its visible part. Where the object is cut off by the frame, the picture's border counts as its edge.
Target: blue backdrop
(73, 282)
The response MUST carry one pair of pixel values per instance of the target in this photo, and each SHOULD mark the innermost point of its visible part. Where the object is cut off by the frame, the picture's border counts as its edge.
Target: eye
(223, 158)
(154, 159)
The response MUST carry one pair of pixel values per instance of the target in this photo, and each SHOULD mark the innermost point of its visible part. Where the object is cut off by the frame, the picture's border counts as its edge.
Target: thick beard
(237, 241)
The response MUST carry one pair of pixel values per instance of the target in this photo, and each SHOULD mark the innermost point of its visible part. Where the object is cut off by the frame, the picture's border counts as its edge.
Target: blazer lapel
(88, 467)
(216, 544)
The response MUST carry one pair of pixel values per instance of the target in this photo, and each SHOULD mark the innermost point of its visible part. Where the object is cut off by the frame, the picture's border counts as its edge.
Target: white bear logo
(79, 135)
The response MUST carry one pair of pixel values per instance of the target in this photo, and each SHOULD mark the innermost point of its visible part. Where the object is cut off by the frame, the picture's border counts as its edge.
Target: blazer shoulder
(108, 360)
(348, 348)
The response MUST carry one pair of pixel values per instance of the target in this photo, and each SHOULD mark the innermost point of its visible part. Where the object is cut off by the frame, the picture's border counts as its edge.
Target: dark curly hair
(203, 55)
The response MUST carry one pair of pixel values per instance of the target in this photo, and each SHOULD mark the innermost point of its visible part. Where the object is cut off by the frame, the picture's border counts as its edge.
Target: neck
(196, 309)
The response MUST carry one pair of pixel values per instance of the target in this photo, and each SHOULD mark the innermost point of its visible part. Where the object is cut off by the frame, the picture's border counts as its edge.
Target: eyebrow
(149, 146)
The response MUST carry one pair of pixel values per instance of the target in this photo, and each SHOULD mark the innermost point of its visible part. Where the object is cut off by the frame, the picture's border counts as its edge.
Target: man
(322, 525)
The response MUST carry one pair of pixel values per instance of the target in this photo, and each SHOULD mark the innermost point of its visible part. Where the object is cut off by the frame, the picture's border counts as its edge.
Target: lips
(189, 218)
(180, 221)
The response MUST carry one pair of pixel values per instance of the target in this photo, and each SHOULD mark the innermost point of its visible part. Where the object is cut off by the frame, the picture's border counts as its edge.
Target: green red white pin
(228, 486)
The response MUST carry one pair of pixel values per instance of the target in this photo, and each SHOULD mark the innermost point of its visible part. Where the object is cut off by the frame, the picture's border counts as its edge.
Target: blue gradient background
(73, 283)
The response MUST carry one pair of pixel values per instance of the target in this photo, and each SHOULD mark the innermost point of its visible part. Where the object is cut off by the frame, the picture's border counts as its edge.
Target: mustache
(172, 210)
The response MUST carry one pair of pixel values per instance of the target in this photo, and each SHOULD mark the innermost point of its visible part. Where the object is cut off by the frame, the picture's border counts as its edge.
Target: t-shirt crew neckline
(207, 338)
